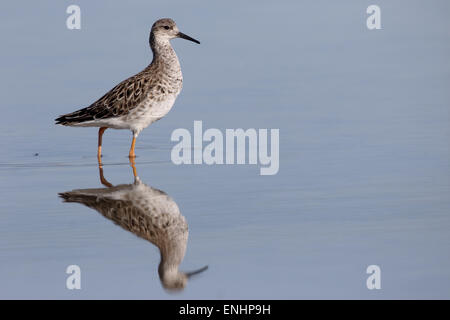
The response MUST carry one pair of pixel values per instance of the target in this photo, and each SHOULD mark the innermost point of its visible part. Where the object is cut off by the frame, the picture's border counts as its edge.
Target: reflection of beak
(184, 36)
(192, 273)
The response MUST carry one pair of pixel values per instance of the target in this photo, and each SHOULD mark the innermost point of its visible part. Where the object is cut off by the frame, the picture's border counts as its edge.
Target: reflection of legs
(102, 178)
(99, 151)
(133, 143)
(133, 166)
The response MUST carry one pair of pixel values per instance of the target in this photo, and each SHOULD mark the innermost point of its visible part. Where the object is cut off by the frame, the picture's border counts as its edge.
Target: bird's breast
(151, 110)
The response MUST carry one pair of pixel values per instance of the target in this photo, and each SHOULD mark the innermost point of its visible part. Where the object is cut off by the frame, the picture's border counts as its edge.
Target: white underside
(138, 119)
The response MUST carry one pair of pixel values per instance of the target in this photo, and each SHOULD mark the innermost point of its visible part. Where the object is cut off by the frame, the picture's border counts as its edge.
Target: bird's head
(166, 29)
(174, 280)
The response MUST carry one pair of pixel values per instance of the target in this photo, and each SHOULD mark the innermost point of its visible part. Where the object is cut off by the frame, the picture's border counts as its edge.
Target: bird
(150, 214)
(142, 99)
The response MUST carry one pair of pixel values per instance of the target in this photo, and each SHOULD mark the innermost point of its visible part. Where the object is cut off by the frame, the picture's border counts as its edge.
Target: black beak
(184, 36)
(192, 273)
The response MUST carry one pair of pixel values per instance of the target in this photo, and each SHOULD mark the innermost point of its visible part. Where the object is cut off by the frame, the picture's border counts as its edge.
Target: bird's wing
(149, 222)
(118, 101)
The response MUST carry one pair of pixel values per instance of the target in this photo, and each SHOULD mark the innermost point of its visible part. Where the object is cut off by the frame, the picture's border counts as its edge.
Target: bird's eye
(166, 27)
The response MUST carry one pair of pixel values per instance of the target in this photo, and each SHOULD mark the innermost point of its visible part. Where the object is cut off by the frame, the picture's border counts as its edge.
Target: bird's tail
(73, 118)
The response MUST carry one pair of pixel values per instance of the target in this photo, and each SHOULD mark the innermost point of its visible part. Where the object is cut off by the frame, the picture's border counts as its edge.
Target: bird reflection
(150, 214)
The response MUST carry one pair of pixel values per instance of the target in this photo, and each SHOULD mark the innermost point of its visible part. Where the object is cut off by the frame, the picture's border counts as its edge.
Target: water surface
(364, 149)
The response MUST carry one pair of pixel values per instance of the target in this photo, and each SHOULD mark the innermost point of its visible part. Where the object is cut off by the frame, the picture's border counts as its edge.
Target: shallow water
(364, 153)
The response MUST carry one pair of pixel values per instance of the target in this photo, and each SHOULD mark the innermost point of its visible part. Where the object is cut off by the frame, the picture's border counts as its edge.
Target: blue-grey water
(364, 173)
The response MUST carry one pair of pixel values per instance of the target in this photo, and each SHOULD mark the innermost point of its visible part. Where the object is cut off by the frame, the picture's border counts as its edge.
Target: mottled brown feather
(124, 97)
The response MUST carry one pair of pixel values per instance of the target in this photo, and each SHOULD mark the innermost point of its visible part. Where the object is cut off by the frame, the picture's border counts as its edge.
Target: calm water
(364, 149)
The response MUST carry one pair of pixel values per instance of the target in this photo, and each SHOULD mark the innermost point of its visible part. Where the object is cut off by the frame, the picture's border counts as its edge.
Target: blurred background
(364, 149)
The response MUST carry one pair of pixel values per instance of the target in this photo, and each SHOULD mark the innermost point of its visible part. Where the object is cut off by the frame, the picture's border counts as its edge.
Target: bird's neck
(172, 250)
(163, 54)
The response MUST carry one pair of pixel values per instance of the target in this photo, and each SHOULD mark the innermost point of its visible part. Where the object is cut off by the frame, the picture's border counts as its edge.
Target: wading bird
(150, 214)
(142, 99)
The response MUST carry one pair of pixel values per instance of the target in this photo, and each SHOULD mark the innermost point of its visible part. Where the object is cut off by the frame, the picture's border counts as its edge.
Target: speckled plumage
(148, 213)
(144, 98)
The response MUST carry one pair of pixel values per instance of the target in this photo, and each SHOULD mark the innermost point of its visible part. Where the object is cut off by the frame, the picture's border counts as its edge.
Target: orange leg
(133, 166)
(102, 178)
(133, 143)
(99, 151)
